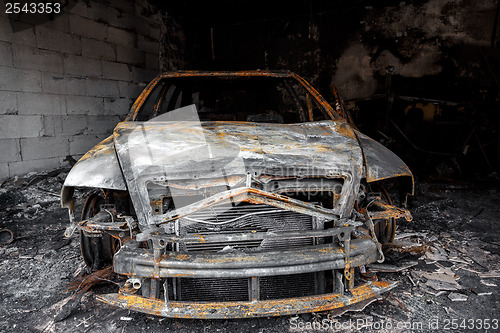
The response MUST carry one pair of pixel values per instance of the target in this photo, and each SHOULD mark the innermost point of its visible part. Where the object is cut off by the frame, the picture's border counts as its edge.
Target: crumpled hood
(187, 150)
(169, 154)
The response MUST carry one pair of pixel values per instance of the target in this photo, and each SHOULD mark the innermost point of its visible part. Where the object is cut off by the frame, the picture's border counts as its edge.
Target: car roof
(258, 72)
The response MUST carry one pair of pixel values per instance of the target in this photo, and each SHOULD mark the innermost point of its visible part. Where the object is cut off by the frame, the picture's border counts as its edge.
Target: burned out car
(236, 194)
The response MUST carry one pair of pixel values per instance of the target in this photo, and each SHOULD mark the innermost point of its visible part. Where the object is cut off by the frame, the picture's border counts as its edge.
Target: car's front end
(228, 219)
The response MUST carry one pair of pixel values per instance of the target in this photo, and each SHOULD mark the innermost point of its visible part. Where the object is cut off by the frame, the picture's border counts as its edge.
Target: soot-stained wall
(349, 43)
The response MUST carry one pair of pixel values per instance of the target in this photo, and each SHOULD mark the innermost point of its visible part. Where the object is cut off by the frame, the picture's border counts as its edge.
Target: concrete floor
(456, 223)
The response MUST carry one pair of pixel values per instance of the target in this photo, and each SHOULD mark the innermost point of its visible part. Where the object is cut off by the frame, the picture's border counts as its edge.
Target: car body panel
(98, 168)
(381, 163)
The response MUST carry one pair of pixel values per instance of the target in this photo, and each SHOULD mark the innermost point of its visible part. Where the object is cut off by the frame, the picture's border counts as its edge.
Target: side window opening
(313, 110)
(148, 108)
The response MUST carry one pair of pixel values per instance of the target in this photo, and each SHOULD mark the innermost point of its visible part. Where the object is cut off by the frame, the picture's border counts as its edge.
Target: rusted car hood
(186, 150)
(165, 154)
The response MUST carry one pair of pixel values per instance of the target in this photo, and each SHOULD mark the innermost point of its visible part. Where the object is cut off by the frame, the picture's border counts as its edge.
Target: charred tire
(97, 249)
(385, 229)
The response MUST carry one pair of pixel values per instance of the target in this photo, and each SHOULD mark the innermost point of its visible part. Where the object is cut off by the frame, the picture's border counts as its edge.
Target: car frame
(125, 222)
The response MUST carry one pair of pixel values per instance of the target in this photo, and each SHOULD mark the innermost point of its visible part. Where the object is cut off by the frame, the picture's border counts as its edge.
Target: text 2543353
(32, 8)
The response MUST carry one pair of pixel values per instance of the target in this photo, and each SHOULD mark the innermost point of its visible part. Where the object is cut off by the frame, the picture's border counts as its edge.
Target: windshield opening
(248, 99)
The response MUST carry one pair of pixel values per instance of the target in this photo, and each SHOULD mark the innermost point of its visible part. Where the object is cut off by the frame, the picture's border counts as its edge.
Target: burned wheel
(384, 229)
(97, 249)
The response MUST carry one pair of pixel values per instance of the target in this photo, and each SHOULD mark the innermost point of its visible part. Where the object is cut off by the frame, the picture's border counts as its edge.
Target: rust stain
(102, 148)
(214, 310)
(345, 130)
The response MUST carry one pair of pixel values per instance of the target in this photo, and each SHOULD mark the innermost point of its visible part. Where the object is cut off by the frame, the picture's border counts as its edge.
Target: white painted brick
(102, 88)
(44, 147)
(23, 34)
(75, 85)
(4, 171)
(121, 37)
(124, 6)
(14, 126)
(98, 50)
(16, 79)
(80, 105)
(74, 125)
(130, 89)
(24, 167)
(141, 25)
(116, 71)
(52, 125)
(5, 54)
(41, 104)
(76, 157)
(143, 74)
(152, 62)
(117, 106)
(33, 58)
(80, 144)
(102, 124)
(139, 9)
(147, 44)
(82, 66)
(5, 29)
(77, 8)
(8, 102)
(82, 26)
(110, 15)
(59, 23)
(56, 83)
(49, 39)
(154, 31)
(10, 150)
(129, 56)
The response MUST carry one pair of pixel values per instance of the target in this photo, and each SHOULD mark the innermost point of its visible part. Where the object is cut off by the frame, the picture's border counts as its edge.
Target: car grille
(213, 290)
(245, 218)
(226, 290)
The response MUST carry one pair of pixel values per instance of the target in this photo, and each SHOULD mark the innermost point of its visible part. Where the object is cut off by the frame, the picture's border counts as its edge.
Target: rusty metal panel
(141, 262)
(381, 163)
(98, 168)
(226, 310)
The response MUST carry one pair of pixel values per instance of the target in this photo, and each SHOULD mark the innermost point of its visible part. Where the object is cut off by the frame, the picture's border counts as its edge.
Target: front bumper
(226, 310)
(139, 262)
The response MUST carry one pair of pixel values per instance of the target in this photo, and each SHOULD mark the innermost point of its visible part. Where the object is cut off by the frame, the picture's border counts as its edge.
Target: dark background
(385, 57)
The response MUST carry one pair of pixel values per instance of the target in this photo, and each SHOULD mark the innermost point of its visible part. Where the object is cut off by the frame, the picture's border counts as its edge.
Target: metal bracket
(369, 222)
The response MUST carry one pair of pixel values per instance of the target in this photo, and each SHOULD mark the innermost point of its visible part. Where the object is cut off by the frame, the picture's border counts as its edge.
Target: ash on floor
(447, 262)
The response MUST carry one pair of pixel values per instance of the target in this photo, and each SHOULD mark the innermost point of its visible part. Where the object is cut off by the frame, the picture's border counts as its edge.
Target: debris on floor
(6, 237)
(443, 271)
(455, 297)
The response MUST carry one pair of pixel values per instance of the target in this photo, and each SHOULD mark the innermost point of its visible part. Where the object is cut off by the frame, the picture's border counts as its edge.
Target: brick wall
(65, 83)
